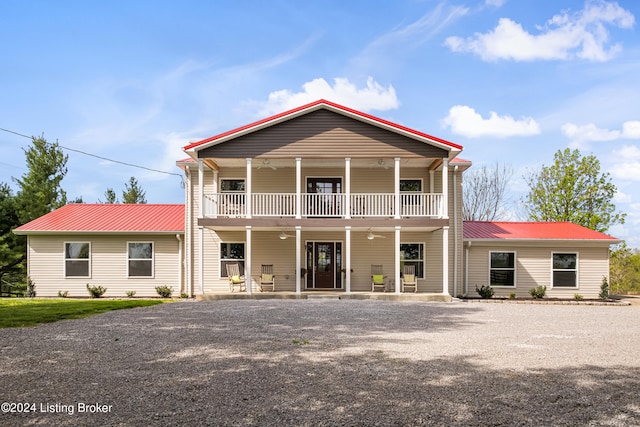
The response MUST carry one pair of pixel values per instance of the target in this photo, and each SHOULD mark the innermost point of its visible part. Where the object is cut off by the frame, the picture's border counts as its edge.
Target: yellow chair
(267, 278)
(409, 278)
(377, 278)
(235, 279)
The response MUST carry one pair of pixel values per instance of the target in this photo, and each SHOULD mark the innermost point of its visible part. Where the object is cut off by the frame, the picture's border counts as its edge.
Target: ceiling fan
(372, 236)
(284, 236)
(380, 163)
(266, 163)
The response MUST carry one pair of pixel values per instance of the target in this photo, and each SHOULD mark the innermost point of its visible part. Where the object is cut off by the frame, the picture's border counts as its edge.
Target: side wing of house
(515, 268)
(120, 263)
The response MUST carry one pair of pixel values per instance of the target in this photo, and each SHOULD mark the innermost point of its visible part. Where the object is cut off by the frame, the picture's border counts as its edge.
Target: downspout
(180, 262)
(455, 231)
(466, 269)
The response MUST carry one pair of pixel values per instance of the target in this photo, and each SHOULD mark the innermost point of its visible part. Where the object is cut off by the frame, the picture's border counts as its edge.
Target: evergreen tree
(110, 196)
(133, 193)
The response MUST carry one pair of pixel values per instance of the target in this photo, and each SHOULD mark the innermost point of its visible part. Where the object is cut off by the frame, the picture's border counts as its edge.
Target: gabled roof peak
(313, 106)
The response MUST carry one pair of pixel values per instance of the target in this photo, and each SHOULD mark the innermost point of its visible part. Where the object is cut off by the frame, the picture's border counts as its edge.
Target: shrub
(604, 289)
(96, 291)
(512, 295)
(164, 291)
(63, 294)
(578, 297)
(184, 295)
(31, 288)
(485, 291)
(538, 292)
(131, 294)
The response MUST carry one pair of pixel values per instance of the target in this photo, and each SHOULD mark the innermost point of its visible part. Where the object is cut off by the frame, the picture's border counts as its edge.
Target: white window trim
(153, 259)
(515, 273)
(65, 259)
(577, 270)
(423, 260)
(220, 259)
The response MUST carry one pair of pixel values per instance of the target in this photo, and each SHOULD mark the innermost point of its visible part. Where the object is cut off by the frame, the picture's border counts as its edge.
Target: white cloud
(495, 3)
(590, 132)
(465, 121)
(628, 166)
(372, 97)
(582, 34)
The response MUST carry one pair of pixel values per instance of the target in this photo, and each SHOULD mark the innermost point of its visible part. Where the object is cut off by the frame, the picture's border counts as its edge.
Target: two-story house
(321, 197)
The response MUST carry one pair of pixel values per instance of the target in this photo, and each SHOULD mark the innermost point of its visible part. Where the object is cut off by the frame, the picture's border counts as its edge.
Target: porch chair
(235, 279)
(267, 278)
(409, 278)
(377, 278)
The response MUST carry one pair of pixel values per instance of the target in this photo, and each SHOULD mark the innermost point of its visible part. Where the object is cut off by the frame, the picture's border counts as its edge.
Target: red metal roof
(531, 230)
(313, 105)
(112, 218)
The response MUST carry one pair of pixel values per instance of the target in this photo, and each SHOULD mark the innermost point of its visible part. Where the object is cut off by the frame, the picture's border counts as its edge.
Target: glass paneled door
(324, 265)
(323, 197)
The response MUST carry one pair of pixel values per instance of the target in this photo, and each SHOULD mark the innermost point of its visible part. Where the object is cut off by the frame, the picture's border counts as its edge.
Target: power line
(101, 157)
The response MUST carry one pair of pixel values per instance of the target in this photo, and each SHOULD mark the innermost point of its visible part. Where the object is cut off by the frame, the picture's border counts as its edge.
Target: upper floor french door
(324, 197)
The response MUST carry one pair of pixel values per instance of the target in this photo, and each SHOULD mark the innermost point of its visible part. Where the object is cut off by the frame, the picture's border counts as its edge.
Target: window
(502, 271)
(228, 185)
(411, 185)
(231, 253)
(140, 255)
(77, 259)
(412, 254)
(565, 270)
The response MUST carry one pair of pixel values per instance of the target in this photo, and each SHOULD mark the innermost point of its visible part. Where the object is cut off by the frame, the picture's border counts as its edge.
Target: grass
(19, 312)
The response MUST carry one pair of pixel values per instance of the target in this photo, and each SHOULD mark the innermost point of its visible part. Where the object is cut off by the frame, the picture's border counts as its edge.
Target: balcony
(324, 205)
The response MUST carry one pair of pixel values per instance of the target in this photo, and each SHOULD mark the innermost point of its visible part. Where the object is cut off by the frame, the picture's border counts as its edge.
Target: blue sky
(512, 81)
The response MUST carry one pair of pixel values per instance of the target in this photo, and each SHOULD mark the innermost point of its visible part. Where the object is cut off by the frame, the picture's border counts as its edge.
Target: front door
(324, 260)
(324, 197)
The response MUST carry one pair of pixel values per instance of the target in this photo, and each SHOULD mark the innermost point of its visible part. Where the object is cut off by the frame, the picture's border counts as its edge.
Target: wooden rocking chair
(409, 278)
(267, 278)
(377, 278)
(235, 279)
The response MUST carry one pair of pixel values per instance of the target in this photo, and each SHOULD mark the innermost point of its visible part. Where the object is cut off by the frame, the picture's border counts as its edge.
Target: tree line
(39, 191)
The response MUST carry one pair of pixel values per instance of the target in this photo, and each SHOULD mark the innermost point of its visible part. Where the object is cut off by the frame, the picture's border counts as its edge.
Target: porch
(327, 295)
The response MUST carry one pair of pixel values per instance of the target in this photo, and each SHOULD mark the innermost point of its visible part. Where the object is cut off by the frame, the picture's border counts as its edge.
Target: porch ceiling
(267, 162)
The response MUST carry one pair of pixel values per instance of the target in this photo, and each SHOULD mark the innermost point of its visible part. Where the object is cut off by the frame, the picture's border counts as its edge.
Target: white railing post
(347, 188)
(248, 207)
(298, 188)
(445, 188)
(396, 204)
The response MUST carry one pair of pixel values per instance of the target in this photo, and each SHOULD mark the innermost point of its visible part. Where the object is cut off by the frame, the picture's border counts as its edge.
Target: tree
(110, 196)
(10, 244)
(485, 193)
(133, 193)
(40, 191)
(573, 189)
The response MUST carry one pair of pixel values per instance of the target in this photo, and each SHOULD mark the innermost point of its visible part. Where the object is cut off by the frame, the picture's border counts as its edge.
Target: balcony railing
(362, 205)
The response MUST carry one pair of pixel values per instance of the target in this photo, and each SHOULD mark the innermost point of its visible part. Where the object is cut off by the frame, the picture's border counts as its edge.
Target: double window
(77, 259)
(231, 253)
(140, 259)
(413, 254)
(565, 270)
(502, 269)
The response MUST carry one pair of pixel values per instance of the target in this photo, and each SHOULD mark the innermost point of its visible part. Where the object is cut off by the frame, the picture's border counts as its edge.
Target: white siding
(533, 268)
(109, 265)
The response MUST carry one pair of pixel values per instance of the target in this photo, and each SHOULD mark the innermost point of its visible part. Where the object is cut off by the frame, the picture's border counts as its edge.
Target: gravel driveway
(328, 363)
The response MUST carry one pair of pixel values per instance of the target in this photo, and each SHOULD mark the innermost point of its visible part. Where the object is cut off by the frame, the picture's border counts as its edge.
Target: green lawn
(18, 312)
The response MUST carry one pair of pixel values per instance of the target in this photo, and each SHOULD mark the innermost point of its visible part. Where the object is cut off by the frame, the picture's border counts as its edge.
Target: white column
(396, 203)
(216, 205)
(248, 197)
(445, 188)
(247, 260)
(298, 188)
(298, 259)
(445, 260)
(347, 188)
(432, 187)
(397, 260)
(201, 188)
(347, 257)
